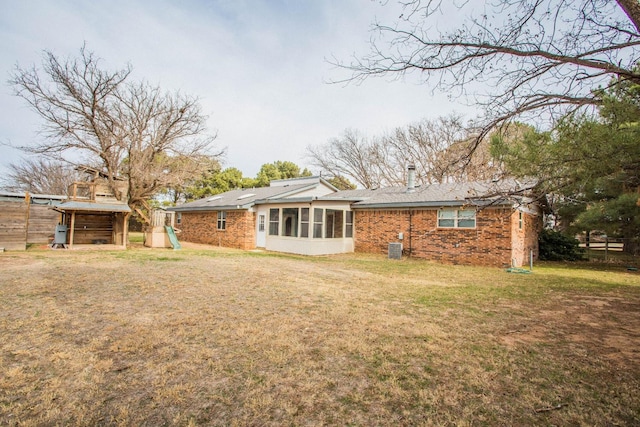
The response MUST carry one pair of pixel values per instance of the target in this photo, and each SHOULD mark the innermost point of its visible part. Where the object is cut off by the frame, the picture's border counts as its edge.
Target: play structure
(161, 233)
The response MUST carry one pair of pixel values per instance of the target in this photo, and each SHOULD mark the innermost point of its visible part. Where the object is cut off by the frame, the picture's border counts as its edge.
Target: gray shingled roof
(446, 194)
(243, 198)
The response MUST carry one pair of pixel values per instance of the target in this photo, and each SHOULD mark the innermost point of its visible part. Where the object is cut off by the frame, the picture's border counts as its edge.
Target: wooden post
(72, 229)
(27, 200)
(125, 234)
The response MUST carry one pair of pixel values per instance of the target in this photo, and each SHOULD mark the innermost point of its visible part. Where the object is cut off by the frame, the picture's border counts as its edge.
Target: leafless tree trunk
(519, 59)
(133, 129)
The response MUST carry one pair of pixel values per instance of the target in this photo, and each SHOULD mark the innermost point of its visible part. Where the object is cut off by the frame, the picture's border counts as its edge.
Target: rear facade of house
(447, 223)
(499, 236)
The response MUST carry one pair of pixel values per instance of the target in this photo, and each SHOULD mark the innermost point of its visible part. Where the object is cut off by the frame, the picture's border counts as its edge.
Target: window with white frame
(222, 220)
(334, 220)
(317, 223)
(520, 220)
(261, 222)
(304, 222)
(348, 230)
(274, 222)
(457, 218)
(178, 218)
(290, 222)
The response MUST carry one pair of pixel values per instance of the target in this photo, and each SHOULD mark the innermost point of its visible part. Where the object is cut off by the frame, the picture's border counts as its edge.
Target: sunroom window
(317, 223)
(304, 222)
(333, 223)
(290, 222)
(274, 222)
(348, 229)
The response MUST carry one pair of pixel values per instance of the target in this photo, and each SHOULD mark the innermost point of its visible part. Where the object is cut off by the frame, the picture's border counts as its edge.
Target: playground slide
(172, 237)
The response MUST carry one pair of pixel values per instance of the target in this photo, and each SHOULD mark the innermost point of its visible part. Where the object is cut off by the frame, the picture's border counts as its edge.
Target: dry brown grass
(219, 337)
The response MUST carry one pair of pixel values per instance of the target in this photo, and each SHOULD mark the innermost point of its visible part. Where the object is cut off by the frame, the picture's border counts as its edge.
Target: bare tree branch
(40, 176)
(517, 58)
(127, 128)
(440, 150)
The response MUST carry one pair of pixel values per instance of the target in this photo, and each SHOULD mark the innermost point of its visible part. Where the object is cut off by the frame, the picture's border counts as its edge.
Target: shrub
(555, 246)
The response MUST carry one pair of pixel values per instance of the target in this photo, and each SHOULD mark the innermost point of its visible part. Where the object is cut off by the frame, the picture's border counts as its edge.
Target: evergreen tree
(591, 163)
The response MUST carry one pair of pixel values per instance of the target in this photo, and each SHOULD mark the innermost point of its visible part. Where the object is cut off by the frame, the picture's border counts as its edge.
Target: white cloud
(258, 66)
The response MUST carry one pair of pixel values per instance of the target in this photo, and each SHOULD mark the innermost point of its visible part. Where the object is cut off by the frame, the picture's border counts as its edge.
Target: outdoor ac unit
(395, 250)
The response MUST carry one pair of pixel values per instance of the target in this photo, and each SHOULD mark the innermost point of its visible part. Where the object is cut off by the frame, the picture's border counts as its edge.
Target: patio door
(261, 228)
(330, 226)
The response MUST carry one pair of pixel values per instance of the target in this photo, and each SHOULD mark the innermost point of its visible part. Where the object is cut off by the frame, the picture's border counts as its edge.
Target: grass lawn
(222, 337)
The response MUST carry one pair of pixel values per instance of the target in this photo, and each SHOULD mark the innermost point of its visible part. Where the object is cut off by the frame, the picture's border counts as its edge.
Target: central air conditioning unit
(395, 250)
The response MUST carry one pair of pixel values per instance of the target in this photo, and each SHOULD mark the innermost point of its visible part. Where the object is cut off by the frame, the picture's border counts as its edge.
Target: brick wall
(525, 238)
(487, 244)
(202, 227)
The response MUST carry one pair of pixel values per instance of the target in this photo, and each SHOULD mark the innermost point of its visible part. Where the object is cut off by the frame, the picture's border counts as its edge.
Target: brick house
(455, 223)
(288, 216)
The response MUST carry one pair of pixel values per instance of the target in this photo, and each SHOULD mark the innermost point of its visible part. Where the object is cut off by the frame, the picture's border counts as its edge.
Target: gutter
(289, 200)
(406, 205)
(209, 208)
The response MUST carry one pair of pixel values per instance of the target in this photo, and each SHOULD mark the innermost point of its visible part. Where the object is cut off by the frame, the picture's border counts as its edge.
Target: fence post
(27, 200)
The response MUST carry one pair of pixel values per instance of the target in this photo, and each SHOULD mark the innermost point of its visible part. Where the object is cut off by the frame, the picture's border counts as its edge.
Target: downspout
(410, 231)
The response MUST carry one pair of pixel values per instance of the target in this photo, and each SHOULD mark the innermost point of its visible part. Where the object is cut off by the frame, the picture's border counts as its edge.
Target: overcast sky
(259, 67)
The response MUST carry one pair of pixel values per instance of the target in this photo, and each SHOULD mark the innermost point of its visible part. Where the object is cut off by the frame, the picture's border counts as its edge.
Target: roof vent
(211, 199)
(245, 196)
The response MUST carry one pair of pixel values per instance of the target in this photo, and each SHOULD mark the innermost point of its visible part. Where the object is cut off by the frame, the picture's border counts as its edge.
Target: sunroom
(313, 227)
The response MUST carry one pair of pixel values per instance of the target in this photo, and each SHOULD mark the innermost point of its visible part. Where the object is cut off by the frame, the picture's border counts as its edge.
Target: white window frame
(318, 223)
(304, 223)
(222, 220)
(455, 217)
(348, 224)
(274, 222)
(520, 220)
(294, 215)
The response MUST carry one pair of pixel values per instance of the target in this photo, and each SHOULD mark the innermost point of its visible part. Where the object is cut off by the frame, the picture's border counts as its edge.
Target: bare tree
(517, 58)
(40, 176)
(352, 155)
(438, 148)
(153, 138)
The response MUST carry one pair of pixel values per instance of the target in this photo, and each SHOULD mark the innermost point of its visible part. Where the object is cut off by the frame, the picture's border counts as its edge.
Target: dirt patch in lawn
(607, 325)
(206, 336)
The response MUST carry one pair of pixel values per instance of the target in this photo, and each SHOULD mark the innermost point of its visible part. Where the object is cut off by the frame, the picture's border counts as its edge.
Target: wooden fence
(26, 219)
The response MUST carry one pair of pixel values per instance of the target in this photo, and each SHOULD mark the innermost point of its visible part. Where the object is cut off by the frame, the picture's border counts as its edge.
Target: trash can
(60, 237)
